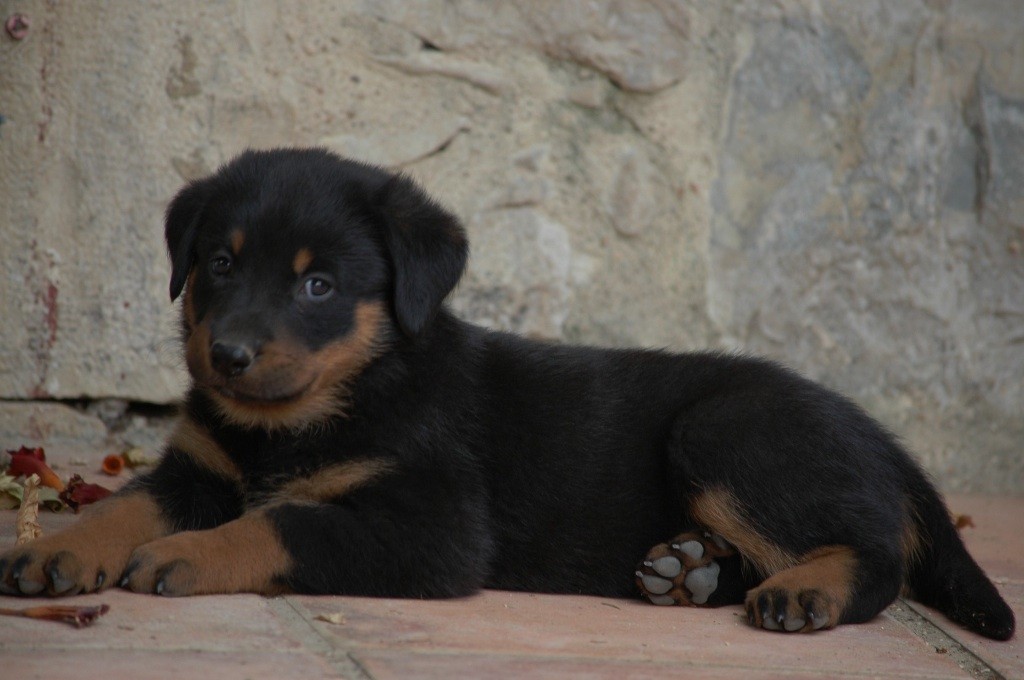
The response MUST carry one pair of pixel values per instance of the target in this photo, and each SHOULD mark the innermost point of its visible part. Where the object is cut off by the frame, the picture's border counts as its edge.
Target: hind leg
(807, 489)
(803, 591)
(695, 568)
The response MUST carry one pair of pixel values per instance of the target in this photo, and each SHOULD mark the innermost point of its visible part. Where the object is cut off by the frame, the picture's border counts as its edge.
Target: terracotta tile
(997, 538)
(518, 624)
(387, 665)
(212, 623)
(171, 665)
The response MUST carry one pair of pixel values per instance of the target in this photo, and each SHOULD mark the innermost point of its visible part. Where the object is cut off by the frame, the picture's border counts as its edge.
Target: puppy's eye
(317, 288)
(220, 265)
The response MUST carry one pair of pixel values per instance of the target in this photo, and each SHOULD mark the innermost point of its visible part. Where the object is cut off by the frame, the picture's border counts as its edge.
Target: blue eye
(317, 288)
(220, 265)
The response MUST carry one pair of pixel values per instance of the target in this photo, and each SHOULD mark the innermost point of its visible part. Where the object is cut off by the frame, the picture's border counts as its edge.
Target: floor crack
(943, 643)
(297, 619)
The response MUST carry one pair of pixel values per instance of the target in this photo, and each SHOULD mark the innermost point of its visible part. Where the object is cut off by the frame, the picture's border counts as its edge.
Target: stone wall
(833, 184)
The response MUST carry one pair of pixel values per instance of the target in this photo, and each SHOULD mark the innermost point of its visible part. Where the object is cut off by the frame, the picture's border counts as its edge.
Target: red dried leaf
(29, 464)
(79, 493)
(37, 453)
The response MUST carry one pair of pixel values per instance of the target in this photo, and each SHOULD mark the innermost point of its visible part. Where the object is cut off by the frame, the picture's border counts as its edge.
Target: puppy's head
(298, 269)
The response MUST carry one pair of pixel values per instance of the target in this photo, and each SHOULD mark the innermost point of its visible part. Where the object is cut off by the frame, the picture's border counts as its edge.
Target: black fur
(516, 464)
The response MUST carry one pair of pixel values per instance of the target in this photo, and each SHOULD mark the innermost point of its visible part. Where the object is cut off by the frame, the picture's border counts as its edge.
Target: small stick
(27, 522)
(76, 616)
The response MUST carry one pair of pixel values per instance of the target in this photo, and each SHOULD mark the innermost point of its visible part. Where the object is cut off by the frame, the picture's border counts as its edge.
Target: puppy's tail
(946, 577)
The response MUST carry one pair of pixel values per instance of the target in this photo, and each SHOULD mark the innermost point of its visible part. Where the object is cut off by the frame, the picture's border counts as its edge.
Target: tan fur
(330, 483)
(719, 511)
(302, 260)
(187, 304)
(319, 378)
(237, 241)
(101, 541)
(241, 556)
(195, 440)
(829, 571)
(115, 525)
(197, 350)
(911, 546)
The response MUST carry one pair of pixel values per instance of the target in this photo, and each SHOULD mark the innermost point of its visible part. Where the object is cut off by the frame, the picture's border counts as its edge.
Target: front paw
(52, 566)
(162, 567)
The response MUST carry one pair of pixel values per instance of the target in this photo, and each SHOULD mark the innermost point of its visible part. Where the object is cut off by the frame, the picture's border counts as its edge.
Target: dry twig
(76, 616)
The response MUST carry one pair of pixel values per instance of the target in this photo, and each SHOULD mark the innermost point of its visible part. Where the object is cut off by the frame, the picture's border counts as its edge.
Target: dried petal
(30, 464)
(38, 453)
(79, 493)
(113, 464)
(136, 457)
(50, 499)
(27, 522)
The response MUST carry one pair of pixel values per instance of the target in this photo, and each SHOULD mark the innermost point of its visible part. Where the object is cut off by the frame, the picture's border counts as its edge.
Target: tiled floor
(507, 635)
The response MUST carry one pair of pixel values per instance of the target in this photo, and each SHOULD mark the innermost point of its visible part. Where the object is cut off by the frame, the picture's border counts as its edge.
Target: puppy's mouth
(257, 399)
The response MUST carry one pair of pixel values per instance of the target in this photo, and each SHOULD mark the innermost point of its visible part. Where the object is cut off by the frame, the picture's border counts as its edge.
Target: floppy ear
(428, 250)
(180, 225)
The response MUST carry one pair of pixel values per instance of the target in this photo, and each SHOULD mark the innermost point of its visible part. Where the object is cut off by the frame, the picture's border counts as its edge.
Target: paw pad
(683, 571)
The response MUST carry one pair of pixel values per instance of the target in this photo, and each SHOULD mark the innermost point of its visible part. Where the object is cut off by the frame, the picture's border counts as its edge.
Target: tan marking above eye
(302, 260)
(237, 241)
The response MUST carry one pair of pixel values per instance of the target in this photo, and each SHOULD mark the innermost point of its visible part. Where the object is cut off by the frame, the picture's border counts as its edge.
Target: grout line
(904, 613)
(295, 618)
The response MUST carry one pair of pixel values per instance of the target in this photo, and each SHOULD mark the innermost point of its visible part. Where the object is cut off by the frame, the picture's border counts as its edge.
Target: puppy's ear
(180, 226)
(428, 250)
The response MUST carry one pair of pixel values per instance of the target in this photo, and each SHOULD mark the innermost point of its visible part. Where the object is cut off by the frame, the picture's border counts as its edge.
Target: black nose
(230, 360)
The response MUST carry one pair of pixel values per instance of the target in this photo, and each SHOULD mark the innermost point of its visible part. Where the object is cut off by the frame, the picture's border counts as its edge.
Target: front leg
(195, 485)
(355, 528)
(88, 556)
(243, 555)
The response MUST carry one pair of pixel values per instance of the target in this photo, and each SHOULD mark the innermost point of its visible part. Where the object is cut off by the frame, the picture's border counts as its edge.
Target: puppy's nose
(230, 360)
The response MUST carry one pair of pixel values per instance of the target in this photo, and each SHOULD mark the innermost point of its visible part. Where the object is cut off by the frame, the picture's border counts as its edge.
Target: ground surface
(505, 635)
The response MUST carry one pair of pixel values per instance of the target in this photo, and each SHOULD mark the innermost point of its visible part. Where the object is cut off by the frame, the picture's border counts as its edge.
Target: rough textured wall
(834, 184)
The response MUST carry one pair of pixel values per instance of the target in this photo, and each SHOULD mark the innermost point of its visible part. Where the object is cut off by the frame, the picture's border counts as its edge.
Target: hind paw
(683, 571)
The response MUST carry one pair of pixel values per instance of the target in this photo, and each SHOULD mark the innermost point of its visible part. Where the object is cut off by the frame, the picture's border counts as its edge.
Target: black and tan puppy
(345, 434)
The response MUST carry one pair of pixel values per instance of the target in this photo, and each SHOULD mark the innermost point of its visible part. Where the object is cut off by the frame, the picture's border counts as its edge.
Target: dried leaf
(79, 493)
(50, 499)
(32, 462)
(27, 523)
(76, 616)
(336, 618)
(963, 521)
(11, 492)
(113, 464)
